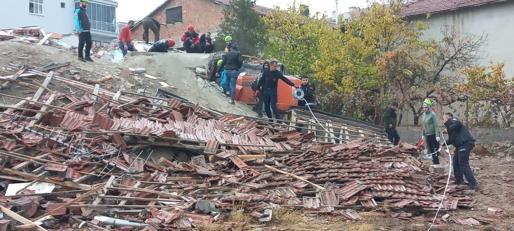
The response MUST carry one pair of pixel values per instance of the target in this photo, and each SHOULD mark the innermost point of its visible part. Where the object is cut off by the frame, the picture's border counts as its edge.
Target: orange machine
(245, 94)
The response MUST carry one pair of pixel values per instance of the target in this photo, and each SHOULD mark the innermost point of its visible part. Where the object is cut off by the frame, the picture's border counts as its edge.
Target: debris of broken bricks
(87, 159)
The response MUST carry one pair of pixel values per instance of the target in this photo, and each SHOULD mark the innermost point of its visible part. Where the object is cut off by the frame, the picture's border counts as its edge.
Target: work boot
(89, 59)
(473, 187)
(81, 59)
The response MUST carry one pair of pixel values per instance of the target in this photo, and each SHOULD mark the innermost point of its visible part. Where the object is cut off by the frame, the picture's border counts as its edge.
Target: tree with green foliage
(375, 58)
(293, 38)
(245, 26)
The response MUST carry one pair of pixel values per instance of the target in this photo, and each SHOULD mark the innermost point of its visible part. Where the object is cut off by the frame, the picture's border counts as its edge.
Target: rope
(447, 182)
(299, 95)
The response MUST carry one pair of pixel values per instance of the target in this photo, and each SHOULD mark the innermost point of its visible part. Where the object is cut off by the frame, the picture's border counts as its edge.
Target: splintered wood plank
(26, 163)
(86, 212)
(20, 218)
(41, 89)
(331, 132)
(294, 119)
(38, 116)
(135, 186)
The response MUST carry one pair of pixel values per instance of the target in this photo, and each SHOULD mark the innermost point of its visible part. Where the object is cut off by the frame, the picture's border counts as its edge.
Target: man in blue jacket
(83, 29)
(460, 137)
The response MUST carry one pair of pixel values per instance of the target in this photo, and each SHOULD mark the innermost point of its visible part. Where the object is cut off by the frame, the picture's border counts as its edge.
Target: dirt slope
(177, 69)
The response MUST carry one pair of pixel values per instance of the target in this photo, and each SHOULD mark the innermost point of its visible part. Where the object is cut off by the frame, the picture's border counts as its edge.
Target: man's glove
(438, 139)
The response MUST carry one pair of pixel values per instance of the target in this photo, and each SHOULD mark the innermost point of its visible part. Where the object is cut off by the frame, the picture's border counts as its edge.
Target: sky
(137, 9)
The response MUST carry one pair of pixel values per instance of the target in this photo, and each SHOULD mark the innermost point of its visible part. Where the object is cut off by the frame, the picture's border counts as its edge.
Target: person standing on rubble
(162, 45)
(126, 39)
(460, 137)
(308, 91)
(431, 132)
(232, 62)
(390, 122)
(269, 86)
(258, 91)
(150, 23)
(83, 29)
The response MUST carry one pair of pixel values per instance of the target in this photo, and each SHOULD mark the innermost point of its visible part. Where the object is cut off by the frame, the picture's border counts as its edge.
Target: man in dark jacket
(460, 137)
(308, 90)
(83, 29)
(150, 23)
(206, 43)
(232, 62)
(269, 86)
(257, 91)
(390, 122)
(162, 45)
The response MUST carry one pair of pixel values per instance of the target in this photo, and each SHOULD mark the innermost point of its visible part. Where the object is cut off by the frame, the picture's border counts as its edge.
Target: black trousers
(85, 39)
(156, 33)
(258, 105)
(269, 96)
(392, 135)
(461, 166)
(433, 148)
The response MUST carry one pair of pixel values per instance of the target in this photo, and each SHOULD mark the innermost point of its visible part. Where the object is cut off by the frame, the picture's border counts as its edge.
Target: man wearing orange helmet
(162, 45)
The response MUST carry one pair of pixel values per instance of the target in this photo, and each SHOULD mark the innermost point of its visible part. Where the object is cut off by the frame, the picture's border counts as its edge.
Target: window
(174, 15)
(63, 5)
(36, 7)
(102, 17)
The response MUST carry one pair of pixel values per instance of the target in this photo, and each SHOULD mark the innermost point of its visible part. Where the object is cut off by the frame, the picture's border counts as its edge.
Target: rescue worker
(230, 43)
(191, 40)
(83, 29)
(206, 43)
(150, 23)
(390, 121)
(258, 92)
(269, 86)
(431, 132)
(232, 62)
(308, 91)
(125, 39)
(162, 45)
(460, 137)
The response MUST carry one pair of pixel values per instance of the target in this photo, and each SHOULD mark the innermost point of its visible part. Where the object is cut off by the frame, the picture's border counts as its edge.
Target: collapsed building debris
(100, 159)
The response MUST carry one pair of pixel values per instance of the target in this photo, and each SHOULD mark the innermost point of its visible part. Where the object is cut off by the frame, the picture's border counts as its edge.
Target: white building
(492, 18)
(58, 16)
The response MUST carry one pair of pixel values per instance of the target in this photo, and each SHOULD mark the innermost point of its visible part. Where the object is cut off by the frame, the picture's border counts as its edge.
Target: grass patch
(287, 217)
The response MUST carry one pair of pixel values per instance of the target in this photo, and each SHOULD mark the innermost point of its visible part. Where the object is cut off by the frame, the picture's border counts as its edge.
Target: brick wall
(204, 15)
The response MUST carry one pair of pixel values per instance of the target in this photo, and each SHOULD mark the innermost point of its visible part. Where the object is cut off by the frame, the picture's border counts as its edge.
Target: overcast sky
(137, 9)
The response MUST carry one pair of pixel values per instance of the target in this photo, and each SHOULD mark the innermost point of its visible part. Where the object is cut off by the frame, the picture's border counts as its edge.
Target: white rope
(447, 182)
(317, 121)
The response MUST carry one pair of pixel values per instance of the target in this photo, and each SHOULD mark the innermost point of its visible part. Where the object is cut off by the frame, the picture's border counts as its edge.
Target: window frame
(168, 21)
(37, 7)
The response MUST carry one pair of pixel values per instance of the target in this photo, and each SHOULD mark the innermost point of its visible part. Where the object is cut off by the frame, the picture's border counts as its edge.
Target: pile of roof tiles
(366, 175)
(104, 161)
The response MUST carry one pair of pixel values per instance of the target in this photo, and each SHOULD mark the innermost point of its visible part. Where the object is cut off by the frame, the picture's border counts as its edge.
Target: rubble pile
(94, 158)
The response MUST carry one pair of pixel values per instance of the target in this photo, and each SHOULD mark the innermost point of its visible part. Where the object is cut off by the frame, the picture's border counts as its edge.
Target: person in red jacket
(191, 40)
(126, 39)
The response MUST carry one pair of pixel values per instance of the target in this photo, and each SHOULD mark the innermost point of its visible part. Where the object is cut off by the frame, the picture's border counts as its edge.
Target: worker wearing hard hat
(431, 132)
(162, 45)
(83, 29)
(230, 42)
